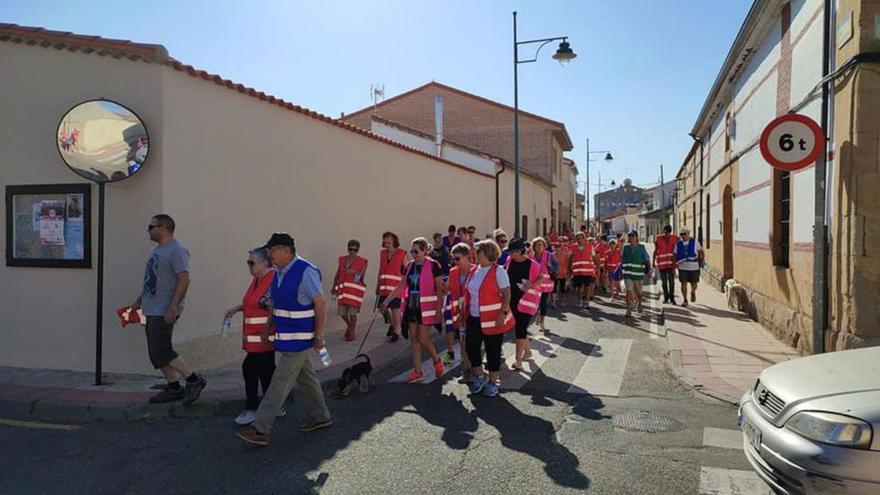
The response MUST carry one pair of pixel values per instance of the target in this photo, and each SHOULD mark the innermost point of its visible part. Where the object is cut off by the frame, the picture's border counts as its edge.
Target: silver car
(812, 424)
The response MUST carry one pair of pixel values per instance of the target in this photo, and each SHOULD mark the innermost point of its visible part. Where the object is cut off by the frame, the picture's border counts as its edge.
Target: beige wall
(230, 169)
(534, 201)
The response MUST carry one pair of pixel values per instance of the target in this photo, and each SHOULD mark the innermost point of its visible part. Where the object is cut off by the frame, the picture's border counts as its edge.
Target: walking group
(475, 292)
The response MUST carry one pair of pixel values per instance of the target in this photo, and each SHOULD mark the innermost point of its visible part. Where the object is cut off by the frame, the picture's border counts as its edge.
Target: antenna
(377, 94)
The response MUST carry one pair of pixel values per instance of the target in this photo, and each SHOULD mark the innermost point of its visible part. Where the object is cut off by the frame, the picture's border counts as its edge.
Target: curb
(678, 370)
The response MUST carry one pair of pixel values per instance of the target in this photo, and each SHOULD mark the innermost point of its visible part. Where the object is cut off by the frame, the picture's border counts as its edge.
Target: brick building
(487, 126)
(756, 222)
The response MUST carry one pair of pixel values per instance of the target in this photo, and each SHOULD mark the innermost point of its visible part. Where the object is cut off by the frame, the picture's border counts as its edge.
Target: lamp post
(607, 158)
(563, 55)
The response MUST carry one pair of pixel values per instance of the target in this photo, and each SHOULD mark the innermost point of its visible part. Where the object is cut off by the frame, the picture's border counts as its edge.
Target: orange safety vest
(582, 262)
(255, 316)
(349, 290)
(615, 257)
(602, 252)
(456, 293)
(390, 273)
(563, 253)
(490, 304)
(664, 246)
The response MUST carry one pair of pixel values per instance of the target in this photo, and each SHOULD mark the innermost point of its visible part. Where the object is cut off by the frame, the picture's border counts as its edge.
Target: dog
(737, 297)
(359, 374)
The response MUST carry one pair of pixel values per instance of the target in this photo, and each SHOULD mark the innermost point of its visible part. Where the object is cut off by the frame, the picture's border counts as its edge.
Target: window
(544, 230)
(694, 217)
(728, 130)
(781, 217)
(525, 227)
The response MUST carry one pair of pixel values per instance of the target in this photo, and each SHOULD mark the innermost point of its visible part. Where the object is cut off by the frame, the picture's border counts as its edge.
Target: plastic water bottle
(225, 326)
(324, 354)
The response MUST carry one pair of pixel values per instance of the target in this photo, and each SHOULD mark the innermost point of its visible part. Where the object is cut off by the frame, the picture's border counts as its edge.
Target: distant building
(617, 197)
(656, 210)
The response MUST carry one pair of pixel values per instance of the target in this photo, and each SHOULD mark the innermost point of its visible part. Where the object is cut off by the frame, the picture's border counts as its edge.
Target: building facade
(756, 222)
(617, 197)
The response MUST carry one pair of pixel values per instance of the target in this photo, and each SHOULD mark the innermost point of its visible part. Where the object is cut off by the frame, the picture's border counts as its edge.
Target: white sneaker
(246, 417)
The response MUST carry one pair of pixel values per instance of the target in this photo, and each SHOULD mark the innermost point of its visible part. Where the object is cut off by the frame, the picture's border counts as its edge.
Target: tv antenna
(377, 94)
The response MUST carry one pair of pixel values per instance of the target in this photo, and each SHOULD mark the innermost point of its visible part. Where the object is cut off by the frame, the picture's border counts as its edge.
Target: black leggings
(257, 368)
(543, 307)
(474, 341)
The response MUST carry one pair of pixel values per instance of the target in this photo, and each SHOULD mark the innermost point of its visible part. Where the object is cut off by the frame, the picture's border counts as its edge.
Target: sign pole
(99, 306)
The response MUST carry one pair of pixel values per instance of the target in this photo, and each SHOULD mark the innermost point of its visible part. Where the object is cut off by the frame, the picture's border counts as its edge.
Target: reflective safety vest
(455, 298)
(255, 316)
(294, 322)
(563, 253)
(634, 261)
(602, 252)
(664, 246)
(429, 305)
(582, 263)
(390, 273)
(546, 283)
(687, 252)
(612, 262)
(490, 304)
(350, 290)
(531, 299)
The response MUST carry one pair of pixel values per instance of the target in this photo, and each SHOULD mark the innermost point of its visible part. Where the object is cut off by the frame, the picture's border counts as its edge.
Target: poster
(73, 228)
(52, 222)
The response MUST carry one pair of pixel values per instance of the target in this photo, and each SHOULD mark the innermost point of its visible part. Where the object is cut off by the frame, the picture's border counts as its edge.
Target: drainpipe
(498, 194)
(699, 225)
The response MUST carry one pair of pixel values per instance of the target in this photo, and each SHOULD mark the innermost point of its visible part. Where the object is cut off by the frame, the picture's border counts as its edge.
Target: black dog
(359, 374)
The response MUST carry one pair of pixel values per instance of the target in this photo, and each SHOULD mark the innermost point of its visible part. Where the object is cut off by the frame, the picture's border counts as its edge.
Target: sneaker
(478, 383)
(394, 338)
(491, 389)
(684, 303)
(250, 435)
(168, 395)
(449, 357)
(316, 424)
(528, 356)
(438, 367)
(467, 377)
(516, 367)
(246, 417)
(414, 376)
(693, 297)
(628, 313)
(194, 390)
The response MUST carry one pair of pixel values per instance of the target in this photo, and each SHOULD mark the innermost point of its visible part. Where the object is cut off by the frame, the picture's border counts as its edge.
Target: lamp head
(564, 54)
(608, 157)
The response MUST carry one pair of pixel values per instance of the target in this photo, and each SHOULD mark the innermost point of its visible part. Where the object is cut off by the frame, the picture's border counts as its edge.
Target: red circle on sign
(819, 142)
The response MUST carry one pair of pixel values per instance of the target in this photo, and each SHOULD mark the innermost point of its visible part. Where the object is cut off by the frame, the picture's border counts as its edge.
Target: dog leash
(364, 340)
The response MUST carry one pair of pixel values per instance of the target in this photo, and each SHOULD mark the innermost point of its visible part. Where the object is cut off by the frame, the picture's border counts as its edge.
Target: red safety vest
(390, 273)
(490, 305)
(582, 263)
(456, 293)
(531, 299)
(602, 252)
(255, 317)
(563, 253)
(429, 304)
(615, 256)
(664, 246)
(350, 292)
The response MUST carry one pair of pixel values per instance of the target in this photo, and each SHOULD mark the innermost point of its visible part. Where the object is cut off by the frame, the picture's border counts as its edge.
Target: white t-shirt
(691, 265)
(477, 280)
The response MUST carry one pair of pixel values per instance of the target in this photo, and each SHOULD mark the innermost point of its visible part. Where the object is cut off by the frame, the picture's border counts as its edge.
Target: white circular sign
(792, 142)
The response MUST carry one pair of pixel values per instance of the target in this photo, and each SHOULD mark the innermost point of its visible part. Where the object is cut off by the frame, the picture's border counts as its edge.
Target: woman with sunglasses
(349, 287)
(392, 261)
(549, 267)
(422, 289)
(461, 269)
(259, 362)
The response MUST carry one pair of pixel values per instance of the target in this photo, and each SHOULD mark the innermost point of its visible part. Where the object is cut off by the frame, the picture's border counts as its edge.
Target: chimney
(438, 124)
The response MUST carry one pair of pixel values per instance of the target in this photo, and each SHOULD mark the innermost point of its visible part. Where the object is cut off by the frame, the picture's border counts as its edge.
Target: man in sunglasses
(501, 239)
(349, 288)
(166, 280)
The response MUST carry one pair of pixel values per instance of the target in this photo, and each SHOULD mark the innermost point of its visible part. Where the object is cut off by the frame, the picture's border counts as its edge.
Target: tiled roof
(434, 84)
(62, 40)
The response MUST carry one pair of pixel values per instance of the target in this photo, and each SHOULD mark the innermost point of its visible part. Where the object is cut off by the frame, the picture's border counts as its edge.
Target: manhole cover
(646, 421)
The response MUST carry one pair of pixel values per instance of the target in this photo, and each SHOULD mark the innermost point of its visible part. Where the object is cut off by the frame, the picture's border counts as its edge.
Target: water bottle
(225, 326)
(324, 354)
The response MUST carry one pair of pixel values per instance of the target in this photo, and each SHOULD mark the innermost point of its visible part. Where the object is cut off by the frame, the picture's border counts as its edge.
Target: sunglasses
(352, 248)
(502, 241)
(151, 227)
(415, 251)
(457, 258)
(250, 262)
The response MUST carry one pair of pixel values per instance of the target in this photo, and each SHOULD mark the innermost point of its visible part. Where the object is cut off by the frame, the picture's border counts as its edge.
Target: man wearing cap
(689, 254)
(636, 266)
(664, 260)
(298, 311)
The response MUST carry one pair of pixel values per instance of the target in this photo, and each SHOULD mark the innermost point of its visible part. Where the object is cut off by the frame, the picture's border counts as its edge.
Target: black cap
(667, 229)
(280, 239)
(517, 244)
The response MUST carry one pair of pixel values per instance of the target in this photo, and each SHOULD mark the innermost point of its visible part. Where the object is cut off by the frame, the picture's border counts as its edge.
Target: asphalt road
(435, 438)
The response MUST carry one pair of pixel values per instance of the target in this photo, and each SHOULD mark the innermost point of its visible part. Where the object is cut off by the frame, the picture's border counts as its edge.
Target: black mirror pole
(99, 306)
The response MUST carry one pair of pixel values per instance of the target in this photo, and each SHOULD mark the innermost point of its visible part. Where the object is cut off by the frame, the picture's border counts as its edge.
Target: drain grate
(646, 421)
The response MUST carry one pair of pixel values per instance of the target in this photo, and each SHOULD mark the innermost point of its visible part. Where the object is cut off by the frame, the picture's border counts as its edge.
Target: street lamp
(587, 198)
(563, 55)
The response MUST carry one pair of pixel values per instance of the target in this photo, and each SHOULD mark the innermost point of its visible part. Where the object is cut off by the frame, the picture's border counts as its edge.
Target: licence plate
(752, 434)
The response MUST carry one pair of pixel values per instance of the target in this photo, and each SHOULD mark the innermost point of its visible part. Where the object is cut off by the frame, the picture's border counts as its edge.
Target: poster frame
(36, 189)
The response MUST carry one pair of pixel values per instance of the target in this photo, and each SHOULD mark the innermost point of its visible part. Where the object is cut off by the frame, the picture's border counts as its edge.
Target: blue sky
(642, 73)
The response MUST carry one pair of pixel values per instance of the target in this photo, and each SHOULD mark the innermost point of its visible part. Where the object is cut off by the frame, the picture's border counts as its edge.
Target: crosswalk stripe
(719, 481)
(543, 346)
(428, 371)
(725, 439)
(602, 373)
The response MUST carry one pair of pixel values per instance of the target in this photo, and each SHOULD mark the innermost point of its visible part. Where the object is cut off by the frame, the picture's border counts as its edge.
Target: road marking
(543, 347)
(602, 373)
(428, 370)
(36, 425)
(725, 439)
(718, 481)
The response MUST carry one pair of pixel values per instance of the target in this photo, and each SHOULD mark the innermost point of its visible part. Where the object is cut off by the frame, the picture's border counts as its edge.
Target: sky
(643, 70)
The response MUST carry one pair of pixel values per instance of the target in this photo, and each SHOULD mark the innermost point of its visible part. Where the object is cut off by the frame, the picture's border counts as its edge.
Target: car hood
(824, 375)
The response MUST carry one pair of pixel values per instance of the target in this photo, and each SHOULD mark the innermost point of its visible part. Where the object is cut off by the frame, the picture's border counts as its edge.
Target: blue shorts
(616, 274)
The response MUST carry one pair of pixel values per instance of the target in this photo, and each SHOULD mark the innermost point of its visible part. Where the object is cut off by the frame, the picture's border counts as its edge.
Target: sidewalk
(718, 350)
(58, 395)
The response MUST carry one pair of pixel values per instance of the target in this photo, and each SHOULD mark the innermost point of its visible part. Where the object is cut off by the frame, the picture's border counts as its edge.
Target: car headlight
(835, 429)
